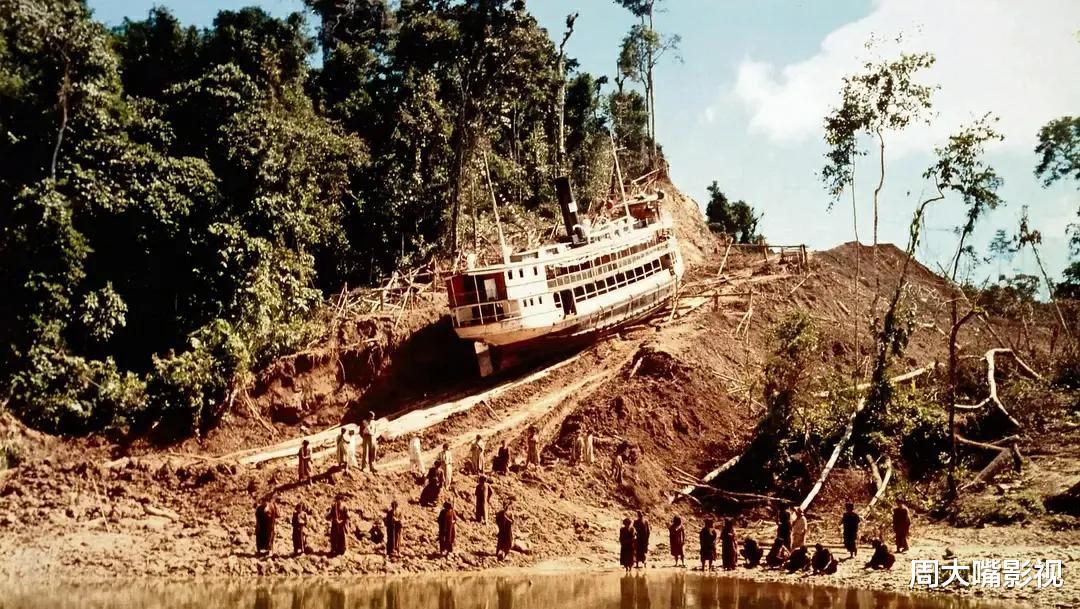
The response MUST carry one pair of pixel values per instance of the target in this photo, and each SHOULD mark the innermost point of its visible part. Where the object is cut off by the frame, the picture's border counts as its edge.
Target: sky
(743, 103)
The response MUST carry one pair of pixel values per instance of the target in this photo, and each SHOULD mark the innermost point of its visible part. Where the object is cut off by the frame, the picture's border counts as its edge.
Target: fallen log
(834, 457)
(709, 477)
(1006, 456)
(883, 483)
(907, 376)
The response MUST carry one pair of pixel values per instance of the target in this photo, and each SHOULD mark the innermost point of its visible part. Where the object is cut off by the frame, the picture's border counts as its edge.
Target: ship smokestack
(569, 210)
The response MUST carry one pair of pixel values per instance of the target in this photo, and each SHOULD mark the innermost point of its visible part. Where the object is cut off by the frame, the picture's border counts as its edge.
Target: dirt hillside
(682, 391)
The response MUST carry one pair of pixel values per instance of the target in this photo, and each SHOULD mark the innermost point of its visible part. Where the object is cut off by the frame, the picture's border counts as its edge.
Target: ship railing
(604, 269)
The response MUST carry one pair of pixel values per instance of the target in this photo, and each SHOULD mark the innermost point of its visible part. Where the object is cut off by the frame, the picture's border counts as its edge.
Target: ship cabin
(545, 287)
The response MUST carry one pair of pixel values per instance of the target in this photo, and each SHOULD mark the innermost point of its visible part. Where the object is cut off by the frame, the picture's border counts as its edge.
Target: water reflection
(675, 590)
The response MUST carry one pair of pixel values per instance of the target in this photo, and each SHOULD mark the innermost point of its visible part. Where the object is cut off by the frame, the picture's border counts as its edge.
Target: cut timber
(991, 357)
(882, 484)
(1006, 456)
(834, 457)
(709, 477)
(408, 423)
(907, 376)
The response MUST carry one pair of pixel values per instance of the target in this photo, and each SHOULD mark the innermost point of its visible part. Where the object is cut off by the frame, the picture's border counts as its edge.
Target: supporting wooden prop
(907, 376)
(1006, 456)
(709, 477)
(882, 484)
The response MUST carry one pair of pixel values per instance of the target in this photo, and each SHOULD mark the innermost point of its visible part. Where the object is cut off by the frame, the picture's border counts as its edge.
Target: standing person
(783, 527)
(627, 546)
(342, 450)
(617, 467)
(483, 497)
(532, 455)
(266, 515)
(350, 450)
(850, 523)
(501, 465)
(299, 533)
(577, 453)
(901, 525)
(447, 528)
(370, 435)
(823, 561)
(303, 466)
(677, 540)
(416, 455)
(729, 549)
(707, 539)
(751, 551)
(429, 495)
(476, 455)
(339, 526)
(392, 525)
(798, 528)
(504, 520)
(641, 539)
(446, 463)
(590, 449)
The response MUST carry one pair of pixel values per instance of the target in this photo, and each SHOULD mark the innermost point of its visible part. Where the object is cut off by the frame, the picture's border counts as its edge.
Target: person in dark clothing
(707, 539)
(504, 521)
(677, 540)
(501, 464)
(299, 533)
(783, 527)
(392, 524)
(483, 498)
(777, 556)
(882, 558)
(901, 524)
(641, 540)
(798, 560)
(627, 546)
(339, 527)
(729, 550)
(751, 553)
(823, 562)
(266, 515)
(850, 523)
(429, 496)
(447, 529)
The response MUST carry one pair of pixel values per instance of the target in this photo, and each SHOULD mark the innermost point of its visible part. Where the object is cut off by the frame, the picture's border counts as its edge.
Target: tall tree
(736, 219)
(1059, 159)
(640, 53)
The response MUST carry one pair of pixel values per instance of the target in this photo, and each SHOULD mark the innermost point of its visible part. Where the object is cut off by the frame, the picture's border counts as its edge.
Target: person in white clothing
(446, 460)
(416, 455)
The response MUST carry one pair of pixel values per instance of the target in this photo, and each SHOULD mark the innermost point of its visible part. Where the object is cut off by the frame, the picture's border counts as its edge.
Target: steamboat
(599, 276)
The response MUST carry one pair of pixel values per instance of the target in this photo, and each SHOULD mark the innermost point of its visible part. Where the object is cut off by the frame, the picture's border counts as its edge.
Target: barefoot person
(504, 521)
(447, 529)
(798, 560)
(341, 450)
(882, 557)
(627, 546)
(369, 448)
(266, 515)
(299, 530)
(392, 526)
(729, 549)
(446, 464)
(641, 540)
(777, 556)
(707, 541)
(483, 498)
(751, 553)
(798, 528)
(823, 562)
(677, 540)
(476, 455)
(850, 524)
(339, 526)
(783, 527)
(501, 465)
(532, 454)
(590, 449)
(303, 465)
(901, 524)
(429, 495)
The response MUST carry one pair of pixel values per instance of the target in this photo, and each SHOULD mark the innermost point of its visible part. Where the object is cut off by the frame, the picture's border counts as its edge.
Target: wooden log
(907, 376)
(834, 457)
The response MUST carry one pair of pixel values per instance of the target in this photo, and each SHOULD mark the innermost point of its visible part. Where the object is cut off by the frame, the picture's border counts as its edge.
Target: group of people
(788, 551)
(345, 450)
(340, 529)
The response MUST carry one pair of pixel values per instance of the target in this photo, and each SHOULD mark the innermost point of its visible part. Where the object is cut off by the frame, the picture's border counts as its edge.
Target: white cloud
(1019, 60)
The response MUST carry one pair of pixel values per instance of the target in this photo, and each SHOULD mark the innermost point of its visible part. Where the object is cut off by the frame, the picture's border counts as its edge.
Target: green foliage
(181, 200)
(1059, 158)
(736, 219)
(1013, 506)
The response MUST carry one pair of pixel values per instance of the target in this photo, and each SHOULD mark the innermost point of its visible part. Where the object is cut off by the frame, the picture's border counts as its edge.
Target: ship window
(579, 291)
(509, 274)
(535, 271)
(490, 292)
(521, 272)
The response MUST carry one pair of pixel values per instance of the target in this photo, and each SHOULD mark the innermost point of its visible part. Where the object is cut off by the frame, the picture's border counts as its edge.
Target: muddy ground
(681, 391)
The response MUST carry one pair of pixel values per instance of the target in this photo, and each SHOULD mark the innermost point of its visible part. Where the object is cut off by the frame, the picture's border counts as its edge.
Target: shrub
(1011, 507)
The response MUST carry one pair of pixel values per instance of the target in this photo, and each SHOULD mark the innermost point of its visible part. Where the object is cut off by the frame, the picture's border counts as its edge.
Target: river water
(578, 591)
